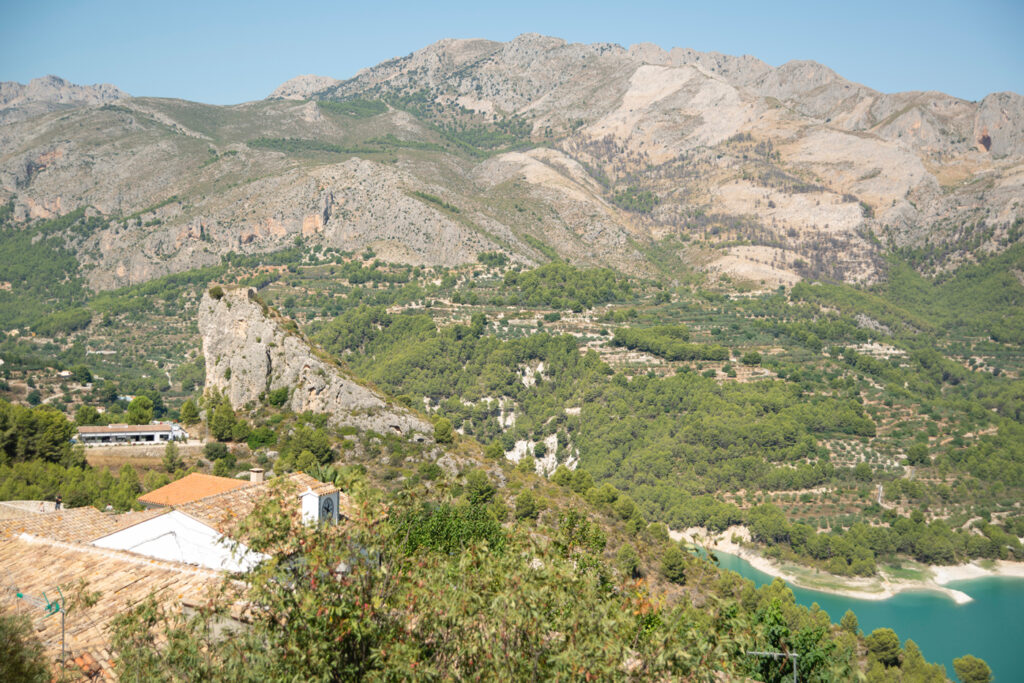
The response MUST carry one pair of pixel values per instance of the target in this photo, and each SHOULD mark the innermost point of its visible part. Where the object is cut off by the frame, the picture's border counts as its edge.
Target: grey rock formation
(248, 352)
(49, 93)
(793, 164)
(301, 87)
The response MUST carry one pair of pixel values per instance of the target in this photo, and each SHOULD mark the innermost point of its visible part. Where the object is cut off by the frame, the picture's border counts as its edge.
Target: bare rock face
(249, 352)
(301, 87)
(771, 167)
(49, 93)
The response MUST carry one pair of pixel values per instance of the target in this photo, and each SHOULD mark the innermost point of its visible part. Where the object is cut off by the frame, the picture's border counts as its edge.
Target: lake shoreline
(734, 541)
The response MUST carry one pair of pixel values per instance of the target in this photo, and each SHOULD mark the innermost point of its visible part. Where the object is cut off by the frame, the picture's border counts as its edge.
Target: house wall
(179, 538)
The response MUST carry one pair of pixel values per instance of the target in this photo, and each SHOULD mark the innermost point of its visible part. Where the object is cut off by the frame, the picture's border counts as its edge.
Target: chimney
(256, 475)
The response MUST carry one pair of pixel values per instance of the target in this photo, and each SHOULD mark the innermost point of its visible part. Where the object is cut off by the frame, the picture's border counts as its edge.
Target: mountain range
(652, 162)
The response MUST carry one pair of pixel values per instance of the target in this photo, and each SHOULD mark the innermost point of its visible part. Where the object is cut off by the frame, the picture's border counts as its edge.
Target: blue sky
(228, 52)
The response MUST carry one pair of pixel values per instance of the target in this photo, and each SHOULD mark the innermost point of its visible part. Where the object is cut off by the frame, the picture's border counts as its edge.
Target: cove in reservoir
(991, 626)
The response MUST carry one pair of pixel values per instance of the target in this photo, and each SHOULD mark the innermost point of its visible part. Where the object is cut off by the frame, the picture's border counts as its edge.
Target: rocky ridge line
(249, 353)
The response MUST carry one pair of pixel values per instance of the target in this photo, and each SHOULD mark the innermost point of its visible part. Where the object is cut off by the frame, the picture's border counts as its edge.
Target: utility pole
(778, 655)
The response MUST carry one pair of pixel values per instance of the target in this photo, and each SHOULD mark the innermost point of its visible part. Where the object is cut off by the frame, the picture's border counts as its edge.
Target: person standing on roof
(57, 501)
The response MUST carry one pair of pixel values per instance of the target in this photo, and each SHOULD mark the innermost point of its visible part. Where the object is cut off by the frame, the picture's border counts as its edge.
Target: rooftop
(124, 429)
(222, 511)
(34, 565)
(75, 525)
(192, 487)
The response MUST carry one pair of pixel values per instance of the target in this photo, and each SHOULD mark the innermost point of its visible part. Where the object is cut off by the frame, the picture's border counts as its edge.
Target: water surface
(991, 626)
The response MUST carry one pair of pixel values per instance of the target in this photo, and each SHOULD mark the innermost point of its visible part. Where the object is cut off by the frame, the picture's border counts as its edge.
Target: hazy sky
(228, 52)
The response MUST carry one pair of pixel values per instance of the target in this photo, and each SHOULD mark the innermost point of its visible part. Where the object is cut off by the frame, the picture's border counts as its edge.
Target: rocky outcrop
(250, 352)
(301, 87)
(49, 93)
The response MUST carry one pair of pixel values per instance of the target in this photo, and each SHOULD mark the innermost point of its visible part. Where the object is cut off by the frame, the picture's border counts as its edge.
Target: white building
(199, 527)
(177, 537)
(160, 432)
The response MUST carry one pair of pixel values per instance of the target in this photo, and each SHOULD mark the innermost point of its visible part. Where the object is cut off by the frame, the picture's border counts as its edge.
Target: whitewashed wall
(177, 537)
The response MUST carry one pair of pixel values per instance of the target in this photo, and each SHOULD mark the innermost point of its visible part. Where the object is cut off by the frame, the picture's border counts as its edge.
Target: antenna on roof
(49, 607)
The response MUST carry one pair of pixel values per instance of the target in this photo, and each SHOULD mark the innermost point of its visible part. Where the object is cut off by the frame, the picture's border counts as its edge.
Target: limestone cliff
(249, 352)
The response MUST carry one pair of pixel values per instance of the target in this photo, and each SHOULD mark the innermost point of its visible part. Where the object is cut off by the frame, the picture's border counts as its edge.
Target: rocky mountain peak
(301, 87)
(40, 95)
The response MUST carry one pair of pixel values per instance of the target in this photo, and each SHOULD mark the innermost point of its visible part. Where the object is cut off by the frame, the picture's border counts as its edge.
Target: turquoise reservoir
(991, 626)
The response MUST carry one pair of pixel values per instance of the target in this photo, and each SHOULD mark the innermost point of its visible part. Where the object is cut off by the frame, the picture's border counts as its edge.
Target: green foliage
(355, 108)
(215, 450)
(448, 528)
(63, 322)
(633, 198)
(171, 460)
(971, 669)
(561, 286)
(673, 564)
(78, 485)
(24, 658)
(41, 433)
(307, 146)
(140, 411)
(628, 562)
(668, 342)
(493, 259)
(884, 645)
(526, 506)
(479, 489)
(216, 292)
(46, 287)
(87, 415)
(435, 591)
(849, 622)
(435, 200)
(189, 412)
(222, 422)
(278, 397)
(443, 432)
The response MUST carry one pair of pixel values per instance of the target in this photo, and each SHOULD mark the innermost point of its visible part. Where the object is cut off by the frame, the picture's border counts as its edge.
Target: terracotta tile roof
(80, 525)
(190, 488)
(34, 565)
(223, 511)
(123, 429)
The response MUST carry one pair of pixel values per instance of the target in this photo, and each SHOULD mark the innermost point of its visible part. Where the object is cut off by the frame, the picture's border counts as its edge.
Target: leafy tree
(306, 461)
(751, 358)
(171, 460)
(479, 489)
(189, 412)
(971, 669)
(222, 423)
(849, 622)
(222, 468)
(443, 432)
(34, 398)
(917, 454)
(494, 451)
(278, 397)
(24, 657)
(87, 415)
(628, 561)
(140, 411)
(41, 433)
(884, 645)
(216, 450)
(526, 506)
(673, 564)
(241, 431)
(81, 374)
